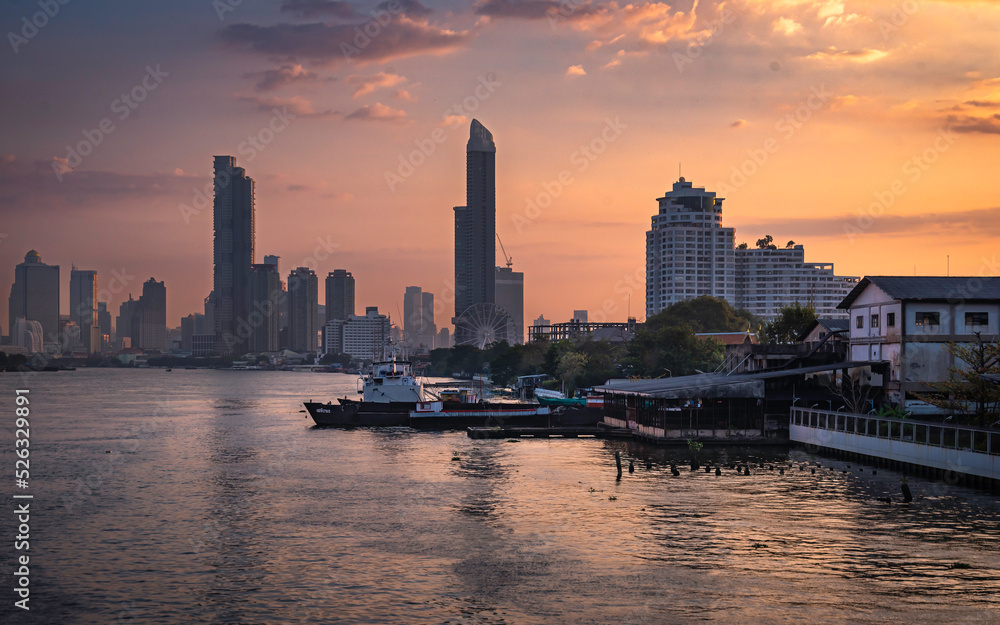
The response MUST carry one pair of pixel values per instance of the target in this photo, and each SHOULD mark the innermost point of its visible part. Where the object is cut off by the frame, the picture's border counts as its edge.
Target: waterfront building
(443, 340)
(510, 297)
(28, 334)
(127, 311)
(34, 295)
(333, 336)
(187, 332)
(303, 310)
(575, 330)
(203, 344)
(419, 329)
(83, 308)
(908, 321)
(366, 337)
(339, 294)
(769, 279)
(262, 320)
(233, 252)
(475, 228)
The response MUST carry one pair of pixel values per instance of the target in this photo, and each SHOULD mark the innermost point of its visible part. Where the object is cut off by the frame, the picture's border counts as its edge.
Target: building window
(860, 321)
(890, 320)
(928, 319)
(874, 321)
(977, 318)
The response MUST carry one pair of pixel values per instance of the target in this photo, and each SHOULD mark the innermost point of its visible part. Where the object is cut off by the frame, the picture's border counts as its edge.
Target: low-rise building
(909, 322)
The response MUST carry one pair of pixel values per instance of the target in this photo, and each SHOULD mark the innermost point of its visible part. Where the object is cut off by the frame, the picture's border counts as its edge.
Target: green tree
(671, 351)
(965, 392)
(742, 246)
(571, 366)
(704, 314)
(790, 324)
(790, 244)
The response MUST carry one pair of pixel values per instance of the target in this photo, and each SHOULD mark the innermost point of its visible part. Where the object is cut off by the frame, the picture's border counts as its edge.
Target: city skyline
(878, 119)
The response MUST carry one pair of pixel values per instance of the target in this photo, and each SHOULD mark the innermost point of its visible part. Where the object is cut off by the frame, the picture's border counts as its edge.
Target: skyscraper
(428, 329)
(104, 322)
(510, 297)
(127, 317)
(262, 320)
(233, 254)
(475, 225)
(83, 308)
(303, 310)
(34, 295)
(149, 323)
(339, 295)
(688, 252)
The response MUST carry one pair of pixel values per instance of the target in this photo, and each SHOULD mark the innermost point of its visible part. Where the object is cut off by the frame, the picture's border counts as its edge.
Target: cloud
(982, 221)
(454, 120)
(377, 112)
(786, 26)
(576, 70)
(297, 105)
(739, 123)
(404, 95)
(536, 9)
(335, 43)
(981, 125)
(408, 7)
(271, 79)
(315, 8)
(367, 84)
(855, 56)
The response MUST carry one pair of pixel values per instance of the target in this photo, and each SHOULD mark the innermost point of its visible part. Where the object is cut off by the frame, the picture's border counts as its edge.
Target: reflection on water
(228, 507)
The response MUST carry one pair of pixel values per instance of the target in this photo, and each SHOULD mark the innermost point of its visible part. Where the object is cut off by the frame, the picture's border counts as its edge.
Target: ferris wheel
(483, 324)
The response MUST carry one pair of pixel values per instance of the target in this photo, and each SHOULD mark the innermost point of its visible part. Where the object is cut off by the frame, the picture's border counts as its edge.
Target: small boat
(389, 392)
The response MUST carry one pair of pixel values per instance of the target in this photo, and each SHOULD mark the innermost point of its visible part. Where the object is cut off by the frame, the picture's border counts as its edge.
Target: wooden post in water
(618, 462)
(907, 495)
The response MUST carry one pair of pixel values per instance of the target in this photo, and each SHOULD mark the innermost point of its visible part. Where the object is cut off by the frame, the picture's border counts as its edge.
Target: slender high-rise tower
(234, 239)
(34, 295)
(475, 225)
(83, 308)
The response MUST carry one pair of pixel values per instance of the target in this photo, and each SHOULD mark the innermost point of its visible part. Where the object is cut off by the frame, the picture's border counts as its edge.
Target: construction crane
(510, 261)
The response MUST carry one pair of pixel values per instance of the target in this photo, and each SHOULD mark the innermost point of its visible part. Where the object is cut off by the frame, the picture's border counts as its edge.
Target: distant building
(580, 316)
(419, 329)
(203, 344)
(149, 323)
(127, 312)
(303, 303)
(767, 280)
(339, 294)
(187, 333)
(510, 297)
(233, 252)
(443, 340)
(688, 252)
(909, 322)
(34, 295)
(262, 320)
(577, 331)
(475, 227)
(27, 334)
(104, 322)
(333, 336)
(367, 337)
(83, 308)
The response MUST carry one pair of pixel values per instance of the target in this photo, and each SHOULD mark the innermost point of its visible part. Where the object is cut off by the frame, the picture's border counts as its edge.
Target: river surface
(208, 497)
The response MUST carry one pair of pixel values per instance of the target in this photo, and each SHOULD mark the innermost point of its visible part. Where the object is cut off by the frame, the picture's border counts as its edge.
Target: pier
(952, 452)
(593, 431)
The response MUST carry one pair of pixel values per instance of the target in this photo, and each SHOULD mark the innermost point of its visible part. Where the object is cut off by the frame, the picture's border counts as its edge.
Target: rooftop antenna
(679, 176)
(510, 260)
(948, 270)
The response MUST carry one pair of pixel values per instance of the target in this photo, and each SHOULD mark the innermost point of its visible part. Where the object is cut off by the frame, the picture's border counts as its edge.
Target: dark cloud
(412, 8)
(978, 222)
(377, 112)
(319, 42)
(271, 79)
(970, 125)
(315, 8)
(991, 104)
(535, 9)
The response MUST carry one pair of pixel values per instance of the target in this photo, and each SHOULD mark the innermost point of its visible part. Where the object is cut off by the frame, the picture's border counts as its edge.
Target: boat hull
(360, 414)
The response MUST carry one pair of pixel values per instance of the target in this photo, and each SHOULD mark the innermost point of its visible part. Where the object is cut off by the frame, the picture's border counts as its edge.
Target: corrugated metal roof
(716, 384)
(968, 288)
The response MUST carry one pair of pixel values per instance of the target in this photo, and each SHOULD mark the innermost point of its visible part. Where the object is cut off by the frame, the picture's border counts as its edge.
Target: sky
(866, 131)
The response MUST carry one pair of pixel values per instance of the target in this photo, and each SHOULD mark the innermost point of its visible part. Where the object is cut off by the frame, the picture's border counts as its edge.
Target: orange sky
(866, 131)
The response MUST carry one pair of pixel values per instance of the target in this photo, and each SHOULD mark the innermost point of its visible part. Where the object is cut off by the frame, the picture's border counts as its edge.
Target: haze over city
(865, 131)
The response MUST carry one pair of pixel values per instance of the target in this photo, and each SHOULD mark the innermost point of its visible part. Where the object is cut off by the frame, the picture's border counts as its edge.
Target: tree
(571, 366)
(671, 351)
(767, 243)
(790, 245)
(742, 246)
(704, 314)
(965, 392)
(790, 324)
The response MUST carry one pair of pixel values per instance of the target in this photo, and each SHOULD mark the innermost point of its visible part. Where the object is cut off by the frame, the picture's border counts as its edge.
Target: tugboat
(389, 392)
